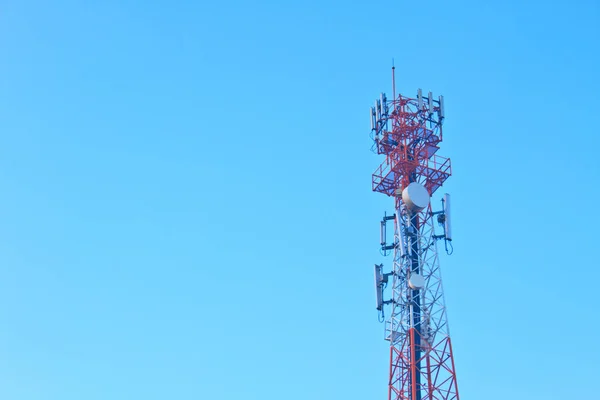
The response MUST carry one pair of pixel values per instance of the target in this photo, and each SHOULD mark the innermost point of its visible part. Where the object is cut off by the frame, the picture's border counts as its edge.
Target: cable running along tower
(408, 131)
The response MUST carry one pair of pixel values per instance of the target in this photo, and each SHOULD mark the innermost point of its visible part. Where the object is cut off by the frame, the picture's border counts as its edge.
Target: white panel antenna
(373, 121)
(420, 99)
(441, 112)
(379, 286)
(430, 103)
(401, 237)
(447, 220)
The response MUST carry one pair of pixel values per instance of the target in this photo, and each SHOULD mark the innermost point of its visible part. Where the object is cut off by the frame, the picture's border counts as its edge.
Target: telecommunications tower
(408, 131)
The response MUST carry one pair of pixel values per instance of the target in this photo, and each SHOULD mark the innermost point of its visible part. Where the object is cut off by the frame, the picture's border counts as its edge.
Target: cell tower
(408, 132)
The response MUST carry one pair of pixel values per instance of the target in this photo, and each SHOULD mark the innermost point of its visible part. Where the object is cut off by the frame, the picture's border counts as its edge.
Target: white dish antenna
(416, 281)
(415, 196)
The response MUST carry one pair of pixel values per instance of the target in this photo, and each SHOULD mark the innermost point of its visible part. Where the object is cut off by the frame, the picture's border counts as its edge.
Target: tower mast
(408, 131)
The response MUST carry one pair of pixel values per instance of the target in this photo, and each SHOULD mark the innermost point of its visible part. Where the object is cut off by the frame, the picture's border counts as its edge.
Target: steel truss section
(421, 360)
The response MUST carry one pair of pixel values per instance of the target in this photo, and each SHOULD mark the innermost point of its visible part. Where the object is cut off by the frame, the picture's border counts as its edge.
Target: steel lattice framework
(408, 132)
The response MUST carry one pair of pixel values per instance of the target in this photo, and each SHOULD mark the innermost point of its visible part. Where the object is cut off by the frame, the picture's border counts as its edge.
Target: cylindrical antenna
(393, 82)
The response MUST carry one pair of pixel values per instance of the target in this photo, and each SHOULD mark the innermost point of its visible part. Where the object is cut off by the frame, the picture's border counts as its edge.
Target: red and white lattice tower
(408, 131)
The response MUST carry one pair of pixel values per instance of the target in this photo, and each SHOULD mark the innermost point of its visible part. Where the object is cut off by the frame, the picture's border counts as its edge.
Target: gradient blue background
(186, 213)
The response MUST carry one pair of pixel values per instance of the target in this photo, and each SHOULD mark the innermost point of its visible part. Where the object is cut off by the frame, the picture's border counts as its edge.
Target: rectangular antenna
(441, 113)
(379, 286)
(430, 103)
(400, 226)
(447, 220)
(420, 99)
(372, 115)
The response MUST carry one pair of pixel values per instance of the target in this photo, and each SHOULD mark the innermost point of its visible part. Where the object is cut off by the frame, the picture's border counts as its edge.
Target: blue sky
(186, 209)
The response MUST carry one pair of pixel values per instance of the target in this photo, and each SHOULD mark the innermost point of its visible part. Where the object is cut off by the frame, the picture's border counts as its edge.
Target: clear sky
(186, 210)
